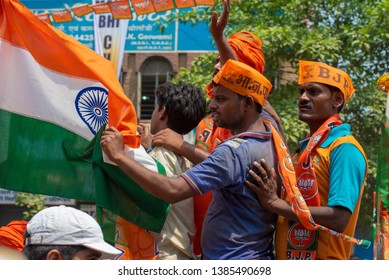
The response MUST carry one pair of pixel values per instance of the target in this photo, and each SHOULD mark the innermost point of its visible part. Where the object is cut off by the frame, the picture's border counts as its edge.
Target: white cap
(61, 225)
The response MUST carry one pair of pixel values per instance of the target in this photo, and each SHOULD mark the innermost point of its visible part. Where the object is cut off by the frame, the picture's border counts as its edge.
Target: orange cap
(318, 72)
(383, 83)
(244, 80)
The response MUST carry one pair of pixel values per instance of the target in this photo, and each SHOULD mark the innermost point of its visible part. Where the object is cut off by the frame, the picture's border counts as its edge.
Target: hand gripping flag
(55, 96)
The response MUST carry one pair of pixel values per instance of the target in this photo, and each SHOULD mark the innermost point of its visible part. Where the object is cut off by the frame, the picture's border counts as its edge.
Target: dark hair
(184, 103)
(39, 252)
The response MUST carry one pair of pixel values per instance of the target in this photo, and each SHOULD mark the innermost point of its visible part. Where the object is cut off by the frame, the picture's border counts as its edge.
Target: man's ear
(338, 99)
(248, 102)
(162, 113)
(54, 255)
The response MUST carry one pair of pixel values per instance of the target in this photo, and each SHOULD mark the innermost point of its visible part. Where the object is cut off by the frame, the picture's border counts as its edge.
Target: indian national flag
(55, 96)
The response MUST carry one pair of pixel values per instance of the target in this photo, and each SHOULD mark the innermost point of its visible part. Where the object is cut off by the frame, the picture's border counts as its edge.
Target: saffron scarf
(304, 233)
(302, 243)
(11, 235)
(306, 178)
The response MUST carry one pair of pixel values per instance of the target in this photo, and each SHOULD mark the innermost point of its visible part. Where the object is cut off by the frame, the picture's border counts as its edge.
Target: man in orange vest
(330, 167)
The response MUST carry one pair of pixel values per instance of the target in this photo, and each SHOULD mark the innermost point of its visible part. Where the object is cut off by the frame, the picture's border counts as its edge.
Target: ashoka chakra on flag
(92, 107)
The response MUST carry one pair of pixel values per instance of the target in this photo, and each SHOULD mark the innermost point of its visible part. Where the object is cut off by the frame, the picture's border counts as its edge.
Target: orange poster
(163, 5)
(121, 10)
(205, 2)
(82, 10)
(185, 3)
(45, 18)
(62, 16)
(142, 7)
(101, 8)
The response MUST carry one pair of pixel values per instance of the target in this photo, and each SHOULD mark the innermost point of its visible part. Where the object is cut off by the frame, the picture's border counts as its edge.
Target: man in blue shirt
(236, 225)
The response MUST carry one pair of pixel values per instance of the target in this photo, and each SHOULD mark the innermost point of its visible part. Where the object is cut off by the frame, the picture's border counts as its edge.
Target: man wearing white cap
(66, 233)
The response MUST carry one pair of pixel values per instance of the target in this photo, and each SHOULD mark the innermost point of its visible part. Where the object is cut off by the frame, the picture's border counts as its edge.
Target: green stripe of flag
(32, 159)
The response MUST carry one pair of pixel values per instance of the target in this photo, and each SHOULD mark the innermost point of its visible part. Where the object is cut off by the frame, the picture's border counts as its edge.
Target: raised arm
(218, 24)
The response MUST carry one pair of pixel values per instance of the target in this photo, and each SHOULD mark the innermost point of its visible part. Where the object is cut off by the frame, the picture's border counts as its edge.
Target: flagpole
(382, 211)
(376, 224)
(379, 245)
(387, 105)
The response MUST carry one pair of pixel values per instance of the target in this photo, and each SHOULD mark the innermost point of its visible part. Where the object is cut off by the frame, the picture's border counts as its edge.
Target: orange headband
(318, 72)
(244, 80)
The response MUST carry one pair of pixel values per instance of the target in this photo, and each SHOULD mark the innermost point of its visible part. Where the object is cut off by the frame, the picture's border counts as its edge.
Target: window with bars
(154, 71)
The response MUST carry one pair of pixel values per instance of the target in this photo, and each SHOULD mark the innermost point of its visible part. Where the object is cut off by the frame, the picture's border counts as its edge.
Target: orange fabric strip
(306, 178)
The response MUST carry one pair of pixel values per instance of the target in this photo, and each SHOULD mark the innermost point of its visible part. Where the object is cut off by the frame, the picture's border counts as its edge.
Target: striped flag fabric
(56, 95)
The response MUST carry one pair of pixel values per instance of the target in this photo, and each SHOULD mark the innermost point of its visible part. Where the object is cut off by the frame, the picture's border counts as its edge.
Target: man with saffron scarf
(236, 225)
(330, 168)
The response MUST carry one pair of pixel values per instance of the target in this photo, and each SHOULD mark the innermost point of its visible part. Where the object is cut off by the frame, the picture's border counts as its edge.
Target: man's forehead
(311, 85)
(219, 89)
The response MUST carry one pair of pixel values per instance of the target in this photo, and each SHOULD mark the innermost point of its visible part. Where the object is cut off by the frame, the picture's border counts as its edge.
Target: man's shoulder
(347, 139)
(161, 153)
(336, 134)
(172, 161)
(234, 142)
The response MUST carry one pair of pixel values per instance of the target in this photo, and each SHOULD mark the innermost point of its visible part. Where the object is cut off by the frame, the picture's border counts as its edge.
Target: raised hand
(147, 138)
(169, 139)
(218, 24)
(112, 143)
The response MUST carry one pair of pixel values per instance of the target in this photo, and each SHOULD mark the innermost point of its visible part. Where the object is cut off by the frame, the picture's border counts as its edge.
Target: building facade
(143, 72)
